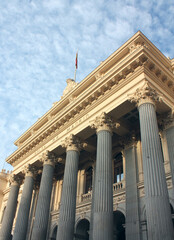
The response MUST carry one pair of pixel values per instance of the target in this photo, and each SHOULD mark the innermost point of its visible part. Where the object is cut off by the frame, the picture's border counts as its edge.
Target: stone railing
(118, 186)
(86, 197)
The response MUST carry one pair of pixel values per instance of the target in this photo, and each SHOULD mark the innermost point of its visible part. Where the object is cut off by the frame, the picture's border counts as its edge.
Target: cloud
(39, 40)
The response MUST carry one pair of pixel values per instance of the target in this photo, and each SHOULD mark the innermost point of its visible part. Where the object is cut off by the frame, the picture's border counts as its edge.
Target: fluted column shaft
(24, 209)
(68, 199)
(103, 191)
(170, 144)
(7, 223)
(132, 208)
(159, 222)
(92, 204)
(43, 203)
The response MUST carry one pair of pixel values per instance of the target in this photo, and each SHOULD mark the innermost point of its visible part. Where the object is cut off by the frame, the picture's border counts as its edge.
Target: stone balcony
(117, 188)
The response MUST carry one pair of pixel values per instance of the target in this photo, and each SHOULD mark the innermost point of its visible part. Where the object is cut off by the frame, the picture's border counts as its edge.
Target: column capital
(145, 94)
(73, 143)
(29, 171)
(166, 120)
(104, 122)
(49, 158)
(36, 185)
(15, 180)
(129, 141)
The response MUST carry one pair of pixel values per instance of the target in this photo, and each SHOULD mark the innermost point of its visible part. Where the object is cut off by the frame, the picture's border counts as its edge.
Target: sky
(38, 44)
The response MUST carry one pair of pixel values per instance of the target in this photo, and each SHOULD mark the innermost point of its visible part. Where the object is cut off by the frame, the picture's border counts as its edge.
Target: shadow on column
(54, 233)
(119, 223)
(82, 230)
(172, 212)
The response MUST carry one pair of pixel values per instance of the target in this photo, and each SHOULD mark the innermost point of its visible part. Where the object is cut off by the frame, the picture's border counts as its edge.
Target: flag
(76, 62)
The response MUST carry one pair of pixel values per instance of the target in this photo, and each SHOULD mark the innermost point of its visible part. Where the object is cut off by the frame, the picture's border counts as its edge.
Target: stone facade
(99, 164)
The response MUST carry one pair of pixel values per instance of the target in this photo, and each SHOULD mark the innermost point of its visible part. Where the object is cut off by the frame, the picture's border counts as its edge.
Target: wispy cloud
(38, 42)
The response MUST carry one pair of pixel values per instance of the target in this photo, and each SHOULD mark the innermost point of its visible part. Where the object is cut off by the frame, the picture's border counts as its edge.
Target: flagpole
(76, 65)
(75, 74)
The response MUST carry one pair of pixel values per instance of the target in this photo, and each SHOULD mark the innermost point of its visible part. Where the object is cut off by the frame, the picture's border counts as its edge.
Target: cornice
(137, 40)
(97, 90)
(110, 74)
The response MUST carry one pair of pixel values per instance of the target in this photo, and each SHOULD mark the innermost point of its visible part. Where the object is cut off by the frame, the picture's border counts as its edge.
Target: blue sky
(38, 44)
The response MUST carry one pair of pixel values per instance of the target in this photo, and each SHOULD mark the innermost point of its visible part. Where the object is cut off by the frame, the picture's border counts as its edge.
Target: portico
(98, 157)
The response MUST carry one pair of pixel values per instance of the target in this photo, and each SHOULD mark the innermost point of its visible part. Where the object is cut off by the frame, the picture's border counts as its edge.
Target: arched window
(82, 230)
(89, 172)
(119, 223)
(118, 168)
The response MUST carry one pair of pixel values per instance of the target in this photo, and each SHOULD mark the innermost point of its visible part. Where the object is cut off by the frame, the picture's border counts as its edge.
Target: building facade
(99, 164)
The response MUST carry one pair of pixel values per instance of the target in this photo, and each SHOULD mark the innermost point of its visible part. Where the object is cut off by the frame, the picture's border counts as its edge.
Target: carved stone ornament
(71, 84)
(129, 141)
(15, 180)
(136, 46)
(36, 185)
(49, 158)
(73, 143)
(146, 94)
(29, 170)
(104, 122)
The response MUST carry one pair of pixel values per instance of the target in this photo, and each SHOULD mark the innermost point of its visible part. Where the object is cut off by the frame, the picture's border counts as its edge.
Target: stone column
(44, 198)
(132, 208)
(159, 220)
(21, 225)
(32, 210)
(92, 203)
(103, 191)
(7, 223)
(68, 200)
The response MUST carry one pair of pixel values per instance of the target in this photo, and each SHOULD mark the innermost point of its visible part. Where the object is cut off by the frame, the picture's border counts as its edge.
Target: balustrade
(86, 197)
(116, 187)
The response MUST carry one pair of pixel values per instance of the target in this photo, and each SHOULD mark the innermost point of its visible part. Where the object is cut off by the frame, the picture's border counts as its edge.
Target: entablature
(129, 61)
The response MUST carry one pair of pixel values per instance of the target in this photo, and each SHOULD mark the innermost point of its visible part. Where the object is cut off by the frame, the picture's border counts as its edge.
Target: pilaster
(132, 206)
(170, 144)
(167, 125)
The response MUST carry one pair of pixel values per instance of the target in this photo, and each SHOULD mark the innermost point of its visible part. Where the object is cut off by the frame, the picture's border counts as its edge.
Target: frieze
(77, 122)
